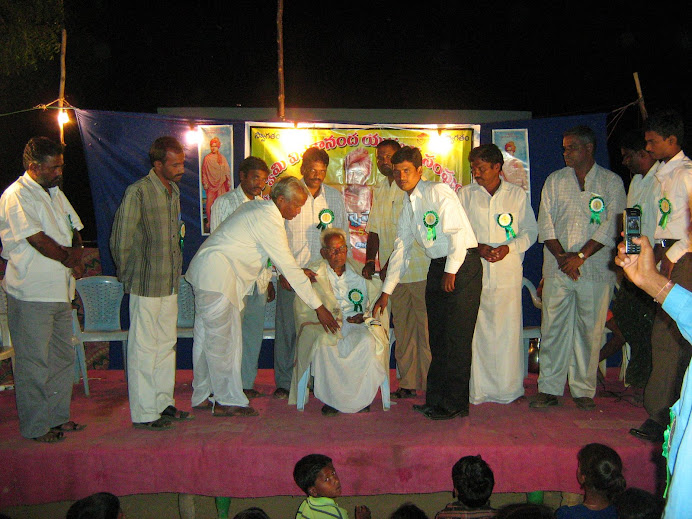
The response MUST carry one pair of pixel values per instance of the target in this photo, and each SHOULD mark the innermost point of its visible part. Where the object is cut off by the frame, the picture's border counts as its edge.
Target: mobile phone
(632, 224)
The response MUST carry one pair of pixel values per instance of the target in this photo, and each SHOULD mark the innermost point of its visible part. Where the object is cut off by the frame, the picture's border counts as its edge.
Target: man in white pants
(222, 272)
(146, 244)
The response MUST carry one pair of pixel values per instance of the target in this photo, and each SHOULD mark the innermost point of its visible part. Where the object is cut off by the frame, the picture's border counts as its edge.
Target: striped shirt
(226, 204)
(145, 240)
(320, 508)
(387, 202)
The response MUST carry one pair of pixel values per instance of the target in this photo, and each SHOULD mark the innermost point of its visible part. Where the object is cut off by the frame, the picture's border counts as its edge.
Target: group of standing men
(451, 263)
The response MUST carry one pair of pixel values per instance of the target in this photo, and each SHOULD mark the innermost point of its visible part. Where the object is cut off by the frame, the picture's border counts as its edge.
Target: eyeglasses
(339, 250)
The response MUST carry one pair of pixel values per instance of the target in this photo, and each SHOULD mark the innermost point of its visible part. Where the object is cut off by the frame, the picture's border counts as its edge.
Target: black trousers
(451, 321)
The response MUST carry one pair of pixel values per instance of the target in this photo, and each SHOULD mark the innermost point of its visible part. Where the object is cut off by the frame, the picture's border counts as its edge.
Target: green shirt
(320, 508)
(145, 240)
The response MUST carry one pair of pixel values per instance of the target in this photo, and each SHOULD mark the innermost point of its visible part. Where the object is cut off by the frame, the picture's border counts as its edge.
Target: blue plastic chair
(101, 298)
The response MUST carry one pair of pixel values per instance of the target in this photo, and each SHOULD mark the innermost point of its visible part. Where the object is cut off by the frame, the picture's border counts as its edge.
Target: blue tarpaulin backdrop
(117, 144)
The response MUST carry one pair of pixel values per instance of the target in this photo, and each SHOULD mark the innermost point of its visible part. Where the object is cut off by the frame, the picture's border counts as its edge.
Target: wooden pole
(640, 97)
(61, 94)
(281, 112)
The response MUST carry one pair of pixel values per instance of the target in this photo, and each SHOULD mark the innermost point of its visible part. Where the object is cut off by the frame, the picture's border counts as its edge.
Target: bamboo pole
(281, 112)
(61, 94)
(640, 97)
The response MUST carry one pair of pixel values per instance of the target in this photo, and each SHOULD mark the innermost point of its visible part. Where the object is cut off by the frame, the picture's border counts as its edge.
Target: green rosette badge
(356, 297)
(181, 234)
(505, 220)
(597, 205)
(326, 217)
(430, 220)
(666, 208)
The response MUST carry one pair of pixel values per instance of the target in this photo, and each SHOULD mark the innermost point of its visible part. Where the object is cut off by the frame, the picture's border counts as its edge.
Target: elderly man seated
(350, 365)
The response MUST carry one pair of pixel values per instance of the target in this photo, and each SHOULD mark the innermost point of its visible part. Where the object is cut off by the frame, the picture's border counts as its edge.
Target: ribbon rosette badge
(356, 297)
(430, 220)
(181, 233)
(597, 205)
(326, 217)
(505, 220)
(666, 208)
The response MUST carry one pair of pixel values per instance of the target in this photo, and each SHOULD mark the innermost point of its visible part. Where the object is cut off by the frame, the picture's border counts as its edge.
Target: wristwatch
(581, 255)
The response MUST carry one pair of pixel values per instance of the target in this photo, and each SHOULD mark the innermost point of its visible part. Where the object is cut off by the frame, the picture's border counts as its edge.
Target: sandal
(171, 413)
(207, 404)
(50, 437)
(160, 424)
(233, 410)
(68, 427)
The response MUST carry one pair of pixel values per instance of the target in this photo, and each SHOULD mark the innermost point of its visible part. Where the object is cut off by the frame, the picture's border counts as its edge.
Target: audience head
(103, 505)
(253, 175)
(525, 511)
(385, 151)
(473, 481)
(635, 503)
(407, 167)
(664, 133)
(600, 470)
(251, 513)
(408, 511)
(289, 194)
(315, 475)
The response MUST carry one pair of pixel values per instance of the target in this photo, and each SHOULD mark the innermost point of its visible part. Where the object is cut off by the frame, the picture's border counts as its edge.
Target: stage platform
(393, 452)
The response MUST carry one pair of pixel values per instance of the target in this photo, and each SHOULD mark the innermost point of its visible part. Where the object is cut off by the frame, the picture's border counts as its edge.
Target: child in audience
(316, 476)
(635, 503)
(408, 511)
(103, 505)
(473, 484)
(599, 473)
(251, 513)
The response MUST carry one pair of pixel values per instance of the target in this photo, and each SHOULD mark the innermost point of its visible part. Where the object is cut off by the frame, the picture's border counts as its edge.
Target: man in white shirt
(348, 366)
(40, 237)
(323, 208)
(221, 273)
(412, 351)
(505, 227)
(253, 178)
(671, 352)
(633, 310)
(433, 217)
(580, 207)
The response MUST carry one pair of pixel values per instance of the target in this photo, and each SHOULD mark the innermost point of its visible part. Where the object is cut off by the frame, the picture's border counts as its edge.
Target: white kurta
(644, 192)
(498, 364)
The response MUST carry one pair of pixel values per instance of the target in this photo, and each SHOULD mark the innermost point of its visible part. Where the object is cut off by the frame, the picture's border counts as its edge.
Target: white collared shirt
(303, 234)
(26, 209)
(675, 178)
(226, 204)
(453, 232)
(645, 192)
(230, 260)
(342, 287)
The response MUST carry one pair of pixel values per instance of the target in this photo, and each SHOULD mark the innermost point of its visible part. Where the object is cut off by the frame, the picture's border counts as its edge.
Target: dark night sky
(551, 58)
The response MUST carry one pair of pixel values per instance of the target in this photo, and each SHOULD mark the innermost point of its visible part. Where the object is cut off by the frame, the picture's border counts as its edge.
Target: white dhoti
(497, 369)
(217, 351)
(348, 374)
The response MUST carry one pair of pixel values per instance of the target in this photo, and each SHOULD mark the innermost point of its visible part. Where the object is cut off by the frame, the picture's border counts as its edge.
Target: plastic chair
(101, 298)
(6, 351)
(532, 332)
(186, 309)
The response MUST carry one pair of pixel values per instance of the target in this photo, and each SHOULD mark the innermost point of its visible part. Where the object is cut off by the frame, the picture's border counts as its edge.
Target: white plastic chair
(101, 298)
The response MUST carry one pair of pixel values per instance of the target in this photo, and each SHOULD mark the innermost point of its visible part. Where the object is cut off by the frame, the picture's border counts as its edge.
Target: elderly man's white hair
(329, 232)
(288, 187)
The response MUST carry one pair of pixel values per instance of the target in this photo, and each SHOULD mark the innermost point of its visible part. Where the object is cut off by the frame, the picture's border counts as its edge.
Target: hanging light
(63, 118)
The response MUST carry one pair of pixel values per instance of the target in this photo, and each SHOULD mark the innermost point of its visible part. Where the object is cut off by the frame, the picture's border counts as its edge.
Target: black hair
(251, 513)
(525, 511)
(38, 149)
(667, 123)
(163, 145)
(473, 480)
(103, 505)
(633, 140)
(313, 155)
(308, 468)
(635, 503)
(408, 511)
(391, 143)
(408, 154)
(487, 153)
(601, 468)
(585, 134)
(251, 163)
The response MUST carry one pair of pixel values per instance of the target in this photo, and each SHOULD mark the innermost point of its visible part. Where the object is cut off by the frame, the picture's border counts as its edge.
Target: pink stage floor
(394, 452)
